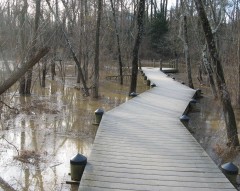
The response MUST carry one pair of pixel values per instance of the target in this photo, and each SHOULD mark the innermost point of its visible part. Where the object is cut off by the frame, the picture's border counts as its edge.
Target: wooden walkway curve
(142, 145)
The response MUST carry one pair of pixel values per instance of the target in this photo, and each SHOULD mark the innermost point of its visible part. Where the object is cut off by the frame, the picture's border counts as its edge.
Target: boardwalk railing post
(185, 119)
(98, 115)
(198, 94)
(229, 168)
(153, 85)
(77, 165)
(148, 82)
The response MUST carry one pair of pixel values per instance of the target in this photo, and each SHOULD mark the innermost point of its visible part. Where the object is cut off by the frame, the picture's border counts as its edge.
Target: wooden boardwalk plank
(142, 145)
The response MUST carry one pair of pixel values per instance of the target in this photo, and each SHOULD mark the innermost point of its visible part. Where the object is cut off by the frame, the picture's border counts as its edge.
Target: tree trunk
(207, 66)
(151, 14)
(96, 58)
(28, 82)
(56, 35)
(238, 60)
(53, 71)
(140, 23)
(228, 112)
(21, 71)
(81, 20)
(118, 44)
(22, 86)
(186, 51)
(86, 54)
(44, 73)
(78, 76)
(25, 85)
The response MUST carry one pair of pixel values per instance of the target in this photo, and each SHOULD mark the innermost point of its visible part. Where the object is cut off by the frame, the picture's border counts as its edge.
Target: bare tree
(186, 44)
(140, 23)
(118, 43)
(187, 54)
(222, 87)
(53, 64)
(23, 20)
(95, 86)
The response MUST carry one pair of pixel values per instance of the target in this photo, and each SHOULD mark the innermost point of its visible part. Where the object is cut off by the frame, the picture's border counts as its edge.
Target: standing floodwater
(47, 129)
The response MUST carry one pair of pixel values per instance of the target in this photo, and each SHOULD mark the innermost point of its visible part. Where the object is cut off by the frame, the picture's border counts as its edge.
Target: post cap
(229, 168)
(133, 94)
(78, 159)
(153, 85)
(99, 111)
(193, 101)
(184, 118)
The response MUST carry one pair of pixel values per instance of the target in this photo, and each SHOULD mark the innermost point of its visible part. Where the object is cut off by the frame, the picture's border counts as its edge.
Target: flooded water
(47, 129)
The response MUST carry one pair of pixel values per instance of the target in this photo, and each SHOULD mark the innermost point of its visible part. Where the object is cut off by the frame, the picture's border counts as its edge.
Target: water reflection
(53, 125)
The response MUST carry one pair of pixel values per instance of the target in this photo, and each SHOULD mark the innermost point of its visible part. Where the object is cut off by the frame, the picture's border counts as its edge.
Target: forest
(46, 42)
(91, 33)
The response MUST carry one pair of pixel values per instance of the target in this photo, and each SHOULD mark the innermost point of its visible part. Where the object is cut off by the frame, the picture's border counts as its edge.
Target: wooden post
(148, 82)
(160, 64)
(176, 63)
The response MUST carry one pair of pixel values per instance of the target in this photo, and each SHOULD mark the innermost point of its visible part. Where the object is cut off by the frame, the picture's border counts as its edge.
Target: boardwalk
(142, 145)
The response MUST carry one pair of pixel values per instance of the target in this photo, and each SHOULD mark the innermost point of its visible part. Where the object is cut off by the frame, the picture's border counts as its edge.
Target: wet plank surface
(142, 145)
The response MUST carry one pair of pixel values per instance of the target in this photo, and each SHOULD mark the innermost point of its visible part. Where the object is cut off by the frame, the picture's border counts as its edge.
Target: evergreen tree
(158, 28)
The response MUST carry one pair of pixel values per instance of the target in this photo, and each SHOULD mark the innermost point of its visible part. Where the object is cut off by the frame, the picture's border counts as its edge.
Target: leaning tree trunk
(96, 58)
(228, 112)
(17, 74)
(118, 44)
(5, 186)
(140, 18)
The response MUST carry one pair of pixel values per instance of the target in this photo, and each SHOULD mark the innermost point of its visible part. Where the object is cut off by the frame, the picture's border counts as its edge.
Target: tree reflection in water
(53, 125)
